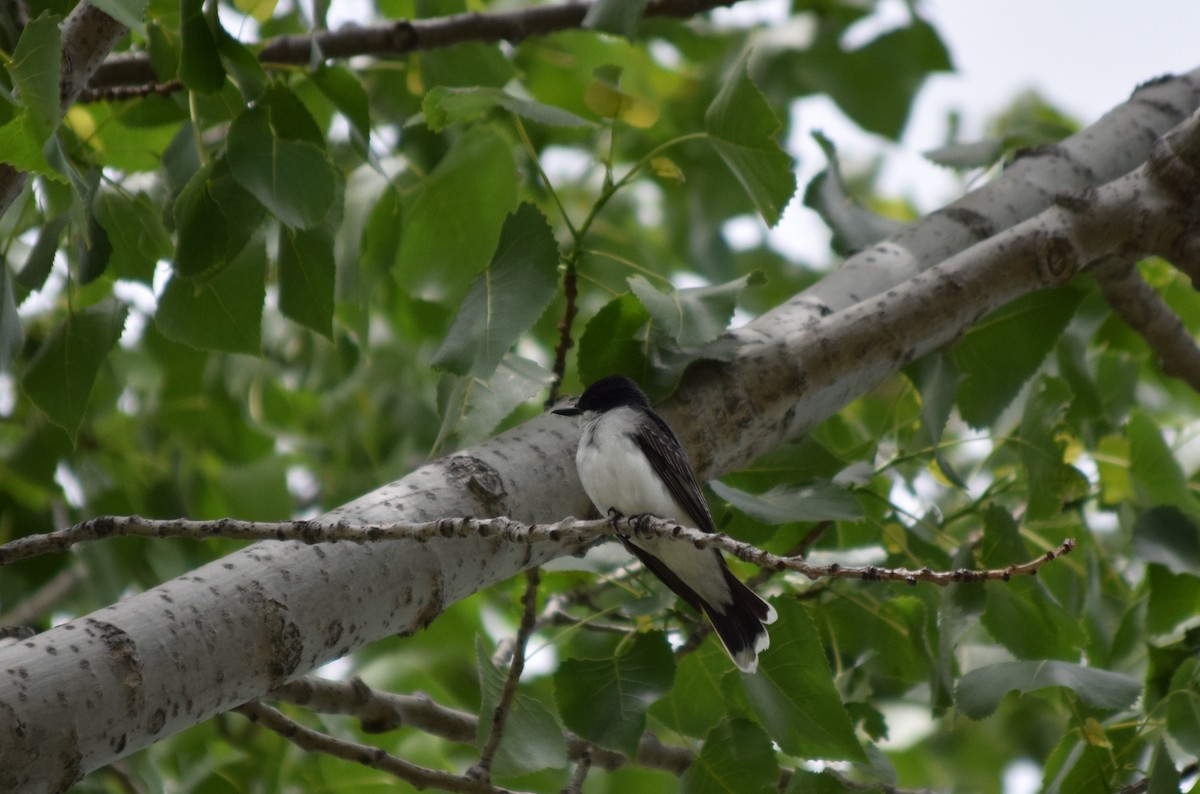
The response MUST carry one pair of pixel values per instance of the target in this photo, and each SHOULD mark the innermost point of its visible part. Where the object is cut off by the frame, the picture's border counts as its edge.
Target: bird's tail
(741, 624)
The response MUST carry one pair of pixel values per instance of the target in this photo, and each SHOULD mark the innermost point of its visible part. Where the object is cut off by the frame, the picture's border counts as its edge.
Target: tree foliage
(250, 275)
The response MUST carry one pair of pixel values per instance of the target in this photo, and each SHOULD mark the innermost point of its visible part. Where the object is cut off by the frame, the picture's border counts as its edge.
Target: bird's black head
(607, 393)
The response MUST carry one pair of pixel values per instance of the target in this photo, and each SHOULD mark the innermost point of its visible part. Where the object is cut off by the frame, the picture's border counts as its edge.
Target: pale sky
(1085, 56)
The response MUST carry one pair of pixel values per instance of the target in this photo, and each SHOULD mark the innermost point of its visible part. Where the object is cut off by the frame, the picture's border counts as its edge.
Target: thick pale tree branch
(242, 626)
(1114, 145)
(403, 36)
(88, 35)
(1144, 310)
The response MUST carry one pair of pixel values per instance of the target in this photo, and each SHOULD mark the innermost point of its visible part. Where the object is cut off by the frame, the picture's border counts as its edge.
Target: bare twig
(569, 531)
(315, 741)
(379, 711)
(405, 36)
(384, 711)
(483, 769)
(565, 324)
(582, 767)
(46, 597)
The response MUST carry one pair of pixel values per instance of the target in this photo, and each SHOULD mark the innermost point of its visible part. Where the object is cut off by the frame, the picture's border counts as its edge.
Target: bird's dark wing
(666, 455)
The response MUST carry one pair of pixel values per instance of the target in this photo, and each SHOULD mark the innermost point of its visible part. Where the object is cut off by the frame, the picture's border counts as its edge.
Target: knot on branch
(1056, 259)
(1175, 160)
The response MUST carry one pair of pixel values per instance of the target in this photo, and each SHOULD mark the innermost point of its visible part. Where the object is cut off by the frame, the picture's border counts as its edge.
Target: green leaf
(96, 251)
(469, 64)
(693, 707)
(129, 13)
(741, 127)
(261, 10)
(1164, 777)
(292, 178)
(967, 155)
(214, 219)
(821, 500)
(135, 230)
(35, 66)
(220, 313)
(242, 64)
(979, 692)
(36, 270)
(1165, 535)
(342, 88)
(605, 700)
(613, 341)
(256, 490)
(11, 335)
(1052, 482)
(472, 408)
(200, 68)
(451, 224)
(1023, 616)
(532, 739)
(854, 226)
(306, 277)
(736, 757)
(59, 380)
(444, 106)
(21, 145)
(1183, 706)
(615, 16)
(604, 97)
(875, 84)
(505, 299)
(794, 695)
(1157, 476)
(697, 315)
(936, 380)
(1173, 599)
(163, 44)
(1005, 349)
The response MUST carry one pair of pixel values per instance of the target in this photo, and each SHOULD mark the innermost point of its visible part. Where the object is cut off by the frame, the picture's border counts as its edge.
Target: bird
(631, 463)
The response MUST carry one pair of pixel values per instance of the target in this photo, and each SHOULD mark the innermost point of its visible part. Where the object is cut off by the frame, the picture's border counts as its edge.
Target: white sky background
(1084, 56)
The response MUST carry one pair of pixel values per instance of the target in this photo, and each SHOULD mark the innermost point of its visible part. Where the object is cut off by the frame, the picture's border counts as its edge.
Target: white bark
(88, 692)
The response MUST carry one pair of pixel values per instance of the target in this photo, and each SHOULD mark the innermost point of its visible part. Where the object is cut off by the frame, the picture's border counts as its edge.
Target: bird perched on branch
(631, 463)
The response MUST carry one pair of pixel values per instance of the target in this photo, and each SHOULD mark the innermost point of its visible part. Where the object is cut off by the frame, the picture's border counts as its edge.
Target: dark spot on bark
(157, 720)
(976, 224)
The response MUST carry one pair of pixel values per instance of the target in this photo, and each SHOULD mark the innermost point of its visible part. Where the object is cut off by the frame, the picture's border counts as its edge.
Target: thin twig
(405, 36)
(384, 711)
(483, 768)
(315, 741)
(377, 711)
(569, 532)
(565, 325)
(582, 767)
(46, 597)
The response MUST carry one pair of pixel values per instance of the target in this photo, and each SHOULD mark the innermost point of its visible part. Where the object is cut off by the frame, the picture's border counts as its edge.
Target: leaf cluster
(268, 292)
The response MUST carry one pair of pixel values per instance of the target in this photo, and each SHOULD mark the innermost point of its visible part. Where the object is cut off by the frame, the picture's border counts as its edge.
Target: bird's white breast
(616, 474)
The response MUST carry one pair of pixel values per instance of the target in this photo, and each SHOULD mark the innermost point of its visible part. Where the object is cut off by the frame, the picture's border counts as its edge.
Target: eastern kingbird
(631, 463)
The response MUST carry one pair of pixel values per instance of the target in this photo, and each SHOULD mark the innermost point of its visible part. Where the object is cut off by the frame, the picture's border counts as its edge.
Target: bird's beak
(570, 410)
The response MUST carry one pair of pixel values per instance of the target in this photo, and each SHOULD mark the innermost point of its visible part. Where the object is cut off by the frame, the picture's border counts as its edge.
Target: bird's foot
(641, 524)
